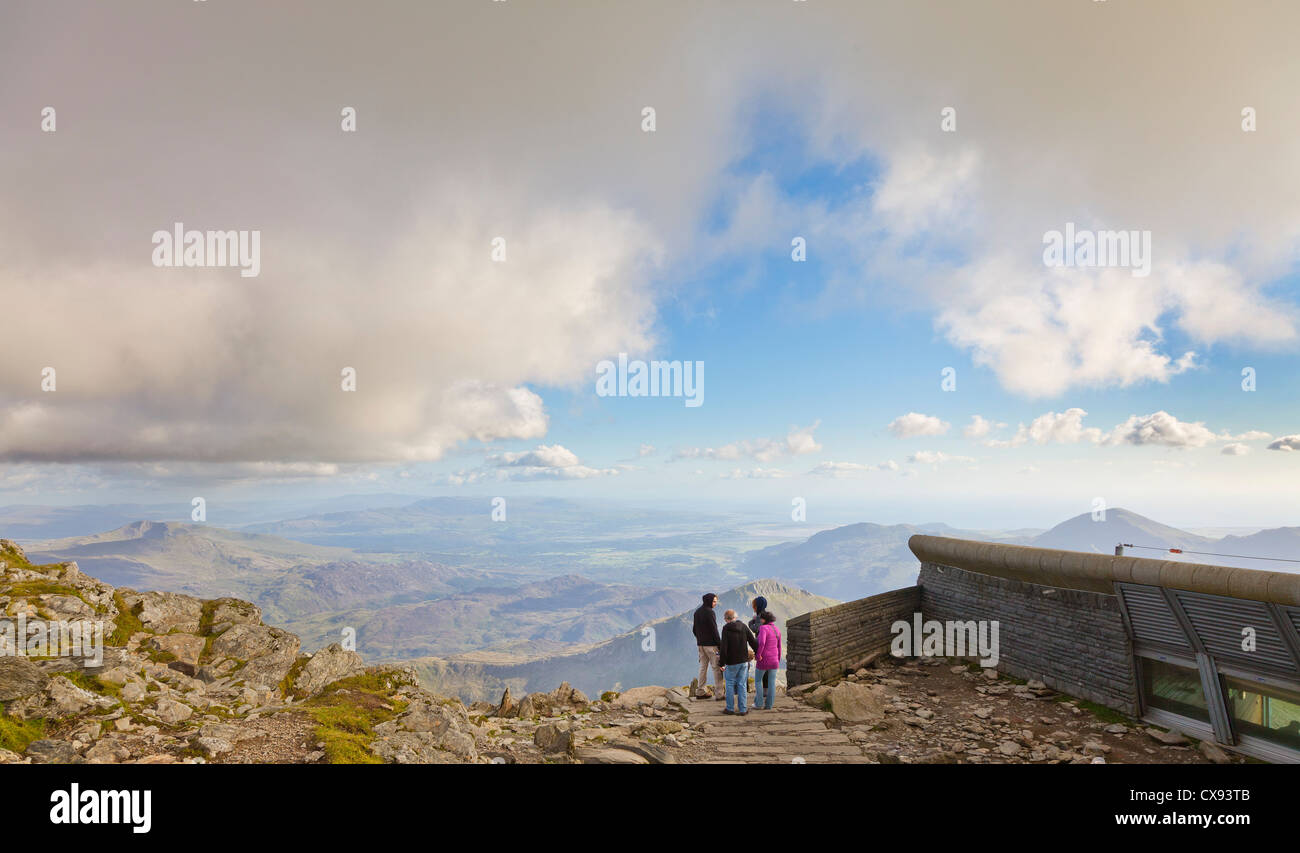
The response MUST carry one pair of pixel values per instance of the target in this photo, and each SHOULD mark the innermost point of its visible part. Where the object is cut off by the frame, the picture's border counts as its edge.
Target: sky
(505, 217)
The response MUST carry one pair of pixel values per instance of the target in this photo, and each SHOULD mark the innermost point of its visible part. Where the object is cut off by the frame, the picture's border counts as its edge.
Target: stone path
(792, 732)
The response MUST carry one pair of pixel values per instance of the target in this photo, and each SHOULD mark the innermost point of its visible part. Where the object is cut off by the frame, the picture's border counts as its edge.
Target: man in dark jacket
(737, 640)
(707, 639)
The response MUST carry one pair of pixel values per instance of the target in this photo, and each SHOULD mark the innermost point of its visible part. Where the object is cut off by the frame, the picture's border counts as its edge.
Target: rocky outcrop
(189, 680)
(161, 612)
(326, 666)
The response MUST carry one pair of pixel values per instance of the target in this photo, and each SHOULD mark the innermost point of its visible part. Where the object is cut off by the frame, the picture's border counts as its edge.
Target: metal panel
(1212, 684)
(1219, 621)
(1290, 637)
(1150, 617)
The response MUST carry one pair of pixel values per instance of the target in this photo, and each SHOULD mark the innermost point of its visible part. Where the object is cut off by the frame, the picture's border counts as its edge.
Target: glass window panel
(1264, 712)
(1175, 689)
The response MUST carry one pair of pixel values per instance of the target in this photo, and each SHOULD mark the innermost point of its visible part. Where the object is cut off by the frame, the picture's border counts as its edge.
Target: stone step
(802, 749)
(775, 739)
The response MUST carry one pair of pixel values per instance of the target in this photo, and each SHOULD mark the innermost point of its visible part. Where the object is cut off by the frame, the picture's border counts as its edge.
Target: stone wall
(1071, 640)
(822, 643)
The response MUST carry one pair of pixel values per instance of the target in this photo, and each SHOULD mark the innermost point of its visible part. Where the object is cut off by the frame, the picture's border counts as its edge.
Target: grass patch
(157, 655)
(91, 683)
(287, 683)
(27, 589)
(347, 712)
(16, 735)
(205, 617)
(14, 558)
(128, 622)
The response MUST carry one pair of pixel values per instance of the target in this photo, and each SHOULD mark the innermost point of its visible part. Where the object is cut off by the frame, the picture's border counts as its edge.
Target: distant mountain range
(846, 562)
(510, 623)
(288, 579)
(663, 651)
(560, 590)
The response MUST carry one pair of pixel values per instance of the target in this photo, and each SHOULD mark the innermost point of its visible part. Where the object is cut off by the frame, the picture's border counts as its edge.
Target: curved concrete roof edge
(1097, 572)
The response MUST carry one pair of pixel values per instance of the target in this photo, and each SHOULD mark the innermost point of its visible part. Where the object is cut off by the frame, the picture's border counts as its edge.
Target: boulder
(19, 678)
(66, 608)
(172, 712)
(508, 706)
(566, 696)
(1173, 737)
(327, 666)
(535, 705)
(608, 755)
(1212, 752)
(819, 696)
(185, 648)
(857, 703)
(48, 751)
(163, 611)
(269, 652)
(107, 751)
(553, 737)
(637, 696)
(213, 746)
(653, 753)
(60, 698)
(226, 612)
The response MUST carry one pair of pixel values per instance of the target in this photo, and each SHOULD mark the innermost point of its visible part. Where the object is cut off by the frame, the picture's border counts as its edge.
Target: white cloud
(1286, 443)
(798, 442)
(545, 456)
(914, 424)
(1160, 428)
(1248, 435)
(934, 457)
(395, 280)
(645, 450)
(980, 427)
(545, 462)
(1053, 428)
(921, 190)
(754, 474)
(850, 469)
(1235, 450)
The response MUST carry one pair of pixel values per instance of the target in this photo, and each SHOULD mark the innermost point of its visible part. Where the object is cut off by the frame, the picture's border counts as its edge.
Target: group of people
(737, 653)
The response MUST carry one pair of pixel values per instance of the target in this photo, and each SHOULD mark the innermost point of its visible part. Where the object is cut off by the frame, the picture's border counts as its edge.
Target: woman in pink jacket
(767, 660)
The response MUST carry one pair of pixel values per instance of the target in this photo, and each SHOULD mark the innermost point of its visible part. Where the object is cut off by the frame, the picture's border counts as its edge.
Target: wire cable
(1210, 553)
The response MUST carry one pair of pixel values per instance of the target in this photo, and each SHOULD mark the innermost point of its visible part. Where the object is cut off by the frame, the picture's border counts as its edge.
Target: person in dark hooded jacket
(759, 604)
(707, 640)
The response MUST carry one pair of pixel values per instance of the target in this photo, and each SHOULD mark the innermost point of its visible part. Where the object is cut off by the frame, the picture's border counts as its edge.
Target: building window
(1265, 712)
(1175, 689)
